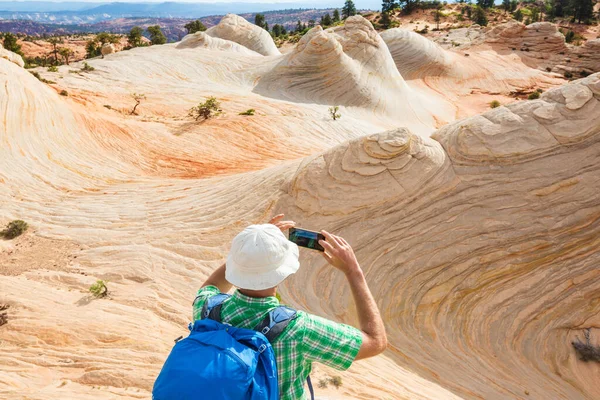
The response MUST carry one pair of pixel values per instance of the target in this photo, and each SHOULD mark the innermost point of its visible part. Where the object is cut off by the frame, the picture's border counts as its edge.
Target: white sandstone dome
(237, 29)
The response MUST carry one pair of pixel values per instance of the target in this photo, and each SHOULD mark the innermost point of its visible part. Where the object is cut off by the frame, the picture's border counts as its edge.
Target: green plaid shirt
(307, 338)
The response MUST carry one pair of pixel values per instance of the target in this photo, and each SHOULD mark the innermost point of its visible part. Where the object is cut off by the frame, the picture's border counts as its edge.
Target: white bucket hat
(261, 257)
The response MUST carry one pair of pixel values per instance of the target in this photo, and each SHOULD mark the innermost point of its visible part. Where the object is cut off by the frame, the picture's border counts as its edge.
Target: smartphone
(308, 239)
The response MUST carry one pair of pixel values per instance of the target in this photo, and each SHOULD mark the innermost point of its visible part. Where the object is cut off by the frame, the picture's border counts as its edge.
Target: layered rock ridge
(481, 244)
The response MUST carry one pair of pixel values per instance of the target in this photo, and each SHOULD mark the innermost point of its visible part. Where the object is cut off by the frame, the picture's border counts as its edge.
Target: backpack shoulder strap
(275, 322)
(212, 306)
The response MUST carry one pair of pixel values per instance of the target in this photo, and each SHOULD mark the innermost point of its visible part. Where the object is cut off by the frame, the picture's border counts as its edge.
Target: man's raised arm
(340, 254)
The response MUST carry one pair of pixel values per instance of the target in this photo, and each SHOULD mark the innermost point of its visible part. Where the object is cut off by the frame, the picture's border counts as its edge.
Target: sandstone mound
(483, 282)
(108, 48)
(202, 40)
(12, 57)
(236, 29)
(349, 65)
(415, 55)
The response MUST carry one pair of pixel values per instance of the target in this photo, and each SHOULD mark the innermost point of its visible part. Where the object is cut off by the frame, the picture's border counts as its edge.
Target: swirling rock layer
(482, 246)
(480, 243)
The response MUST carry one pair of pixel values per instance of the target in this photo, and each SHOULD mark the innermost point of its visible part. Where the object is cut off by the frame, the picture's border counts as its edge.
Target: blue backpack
(218, 361)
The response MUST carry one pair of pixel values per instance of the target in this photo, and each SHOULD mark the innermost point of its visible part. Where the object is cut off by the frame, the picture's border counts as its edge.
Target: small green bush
(87, 67)
(539, 90)
(333, 111)
(336, 381)
(14, 228)
(53, 68)
(248, 112)
(495, 104)
(323, 383)
(534, 95)
(568, 75)
(99, 289)
(64, 93)
(210, 108)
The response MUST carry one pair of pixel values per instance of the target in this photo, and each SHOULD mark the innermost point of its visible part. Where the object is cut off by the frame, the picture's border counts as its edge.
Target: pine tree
(92, 49)
(388, 5)
(437, 17)
(326, 20)
(10, 44)
(336, 15)
(479, 17)
(385, 20)
(408, 5)
(349, 9)
(194, 26)
(259, 20)
(299, 27)
(583, 10)
(506, 5)
(518, 15)
(135, 36)
(156, 35)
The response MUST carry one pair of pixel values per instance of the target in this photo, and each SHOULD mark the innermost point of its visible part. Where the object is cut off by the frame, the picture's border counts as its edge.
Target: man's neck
(259, 293)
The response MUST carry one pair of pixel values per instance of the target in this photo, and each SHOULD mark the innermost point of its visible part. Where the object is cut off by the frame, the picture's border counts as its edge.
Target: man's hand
(339, 253)
(282, 225)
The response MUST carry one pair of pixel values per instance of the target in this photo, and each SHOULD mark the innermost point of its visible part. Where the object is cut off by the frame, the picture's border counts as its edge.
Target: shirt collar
(260, 302)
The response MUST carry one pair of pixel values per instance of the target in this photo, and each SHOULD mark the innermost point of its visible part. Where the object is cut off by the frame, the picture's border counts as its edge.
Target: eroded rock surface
(236, 29)
(481, 245)
(12, 57)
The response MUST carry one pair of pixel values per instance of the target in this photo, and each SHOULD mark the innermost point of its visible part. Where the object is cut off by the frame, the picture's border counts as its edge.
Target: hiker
(261, 258)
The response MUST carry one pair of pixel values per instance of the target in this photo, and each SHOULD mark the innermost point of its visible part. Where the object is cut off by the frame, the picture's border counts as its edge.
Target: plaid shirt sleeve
(333, 344)
(203, 294)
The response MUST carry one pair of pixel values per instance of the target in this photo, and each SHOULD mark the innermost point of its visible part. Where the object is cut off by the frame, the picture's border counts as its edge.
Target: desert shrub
(568, 75)
(534, 95)
(336, 381)
(333, 111)
(584, 73)
(248, 112)
(99, 289)
(539, 90)
(4, 314)
(569, 36)
(37, 75)
(64, 93)
(586, 350)
(87, 67)
(14, 228)
(495, 104)
(137, 97)
(323, 383)
(210, 108)
(53, 68)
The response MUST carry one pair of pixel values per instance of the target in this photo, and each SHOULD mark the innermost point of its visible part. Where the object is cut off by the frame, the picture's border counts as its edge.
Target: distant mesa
(236, 29)
(202, 40)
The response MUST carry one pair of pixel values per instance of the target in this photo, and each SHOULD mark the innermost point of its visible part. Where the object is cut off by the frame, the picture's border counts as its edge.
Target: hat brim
(253, 281)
